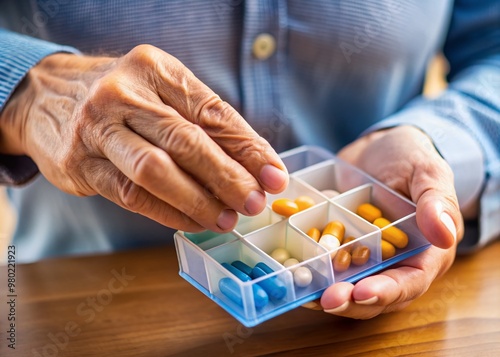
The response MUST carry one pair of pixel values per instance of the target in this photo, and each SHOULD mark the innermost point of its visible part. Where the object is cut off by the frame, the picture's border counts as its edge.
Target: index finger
(181, 89)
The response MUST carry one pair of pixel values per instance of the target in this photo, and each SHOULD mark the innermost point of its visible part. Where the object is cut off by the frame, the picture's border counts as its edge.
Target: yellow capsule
(314, 233)
(304, 202)
(392, 234)
(285, 207)
(360, 255)
(388, 250)
(336, 229)
(342, 261)
(368, 212)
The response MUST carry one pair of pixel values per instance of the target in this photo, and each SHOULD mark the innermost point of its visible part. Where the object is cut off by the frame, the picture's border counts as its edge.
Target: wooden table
(135, 304)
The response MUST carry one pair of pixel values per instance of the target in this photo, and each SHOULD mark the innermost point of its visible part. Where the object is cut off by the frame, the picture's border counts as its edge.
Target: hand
(144, 132)
(404, 159)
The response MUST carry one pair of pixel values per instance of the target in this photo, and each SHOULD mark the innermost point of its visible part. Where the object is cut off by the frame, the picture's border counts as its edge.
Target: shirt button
(264, 46)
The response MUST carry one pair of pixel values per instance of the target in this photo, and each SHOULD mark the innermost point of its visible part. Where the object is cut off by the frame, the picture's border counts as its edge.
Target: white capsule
(302, 277)
(291, 262)
(280, 255)
(329, 242)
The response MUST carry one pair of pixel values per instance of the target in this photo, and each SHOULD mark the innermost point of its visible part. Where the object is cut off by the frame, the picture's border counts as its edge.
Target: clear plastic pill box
(313, 172)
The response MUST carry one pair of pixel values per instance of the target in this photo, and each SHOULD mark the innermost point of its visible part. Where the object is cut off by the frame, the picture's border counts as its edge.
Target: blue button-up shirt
(339, 68)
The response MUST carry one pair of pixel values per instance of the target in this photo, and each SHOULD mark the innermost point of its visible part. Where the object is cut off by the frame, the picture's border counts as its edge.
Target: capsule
(329, 242)
(314, 233)
(274, 287)
(342, 261)
(238, 264)
(388, 250)
(336, 229)
(350, 247)
(290, 263)
(360, 255)
(304, 202)
(368, 212)
(232, 290)
(392, 234)
(285, 207)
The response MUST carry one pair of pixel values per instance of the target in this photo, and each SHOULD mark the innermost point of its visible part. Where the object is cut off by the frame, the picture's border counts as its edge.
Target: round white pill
(329, 242)
(302, 277)
(291, 262)
(330, 193)
(280, 255)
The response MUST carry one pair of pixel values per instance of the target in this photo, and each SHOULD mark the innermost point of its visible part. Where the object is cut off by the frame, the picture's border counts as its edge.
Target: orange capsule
(388, 250)
(314, 233)
(285, 207)
(346, 240)
(368, 212)
(342, 261)
(360, 255)
(304, 202)
(336, 229)
(392, 234)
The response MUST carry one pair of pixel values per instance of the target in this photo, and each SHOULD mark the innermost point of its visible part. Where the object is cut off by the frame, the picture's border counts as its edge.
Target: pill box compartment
(314, 172)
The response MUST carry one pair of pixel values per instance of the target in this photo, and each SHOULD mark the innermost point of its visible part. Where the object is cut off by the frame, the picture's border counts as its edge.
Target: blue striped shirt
(339, 68)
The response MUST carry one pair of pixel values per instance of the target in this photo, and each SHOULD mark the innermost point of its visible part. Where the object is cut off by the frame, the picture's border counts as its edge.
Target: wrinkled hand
(404, 159)
(144, 132)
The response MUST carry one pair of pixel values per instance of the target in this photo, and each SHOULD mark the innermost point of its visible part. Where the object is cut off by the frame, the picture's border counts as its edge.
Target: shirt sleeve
(464, 122)
(18, 54)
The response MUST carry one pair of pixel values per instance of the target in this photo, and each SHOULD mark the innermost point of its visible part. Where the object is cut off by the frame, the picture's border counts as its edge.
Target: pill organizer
(207, 259)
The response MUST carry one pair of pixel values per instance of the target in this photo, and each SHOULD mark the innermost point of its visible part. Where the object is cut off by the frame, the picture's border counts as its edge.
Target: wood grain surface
(135, 304)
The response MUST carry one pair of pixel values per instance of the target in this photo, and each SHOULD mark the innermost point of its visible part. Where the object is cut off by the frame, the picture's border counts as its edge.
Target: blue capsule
(242, 266)
(272, 286)
(232, 290)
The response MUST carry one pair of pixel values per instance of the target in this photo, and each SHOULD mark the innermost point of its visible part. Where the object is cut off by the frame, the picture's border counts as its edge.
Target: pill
(238, 273)
(302, 277)
(329, 242)
(350, 247)
(330, 193)
(342, 261)
(238, 264)
(304, 202)
(231, 289)
(392, 234)
(280, 255)
(336, 229)
(274, 287)
(368, 212)
(360, 255)
(285, 207)
(388, 250)
(314, 233)
(290, 263)
(265, 267)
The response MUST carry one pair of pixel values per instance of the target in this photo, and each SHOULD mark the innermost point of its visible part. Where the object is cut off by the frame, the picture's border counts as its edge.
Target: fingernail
(369, 301)
(448, 222)
(227, 219)
(255, 202)
(273, 177)
(337, 309)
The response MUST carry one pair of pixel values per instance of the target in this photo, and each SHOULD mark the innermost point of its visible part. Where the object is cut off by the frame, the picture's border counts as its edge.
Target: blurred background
(435, 83)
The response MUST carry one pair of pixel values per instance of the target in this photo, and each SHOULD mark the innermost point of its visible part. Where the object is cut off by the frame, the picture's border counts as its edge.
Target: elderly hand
(404, 159)
(144, 132)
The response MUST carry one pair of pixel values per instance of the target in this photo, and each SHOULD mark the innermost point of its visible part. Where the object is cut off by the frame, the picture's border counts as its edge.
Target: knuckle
(131, 196)
(196, 208)
(146, 166)
(184, 141)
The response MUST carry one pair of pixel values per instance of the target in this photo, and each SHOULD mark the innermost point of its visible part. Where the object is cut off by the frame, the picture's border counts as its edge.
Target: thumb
(439, 218)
